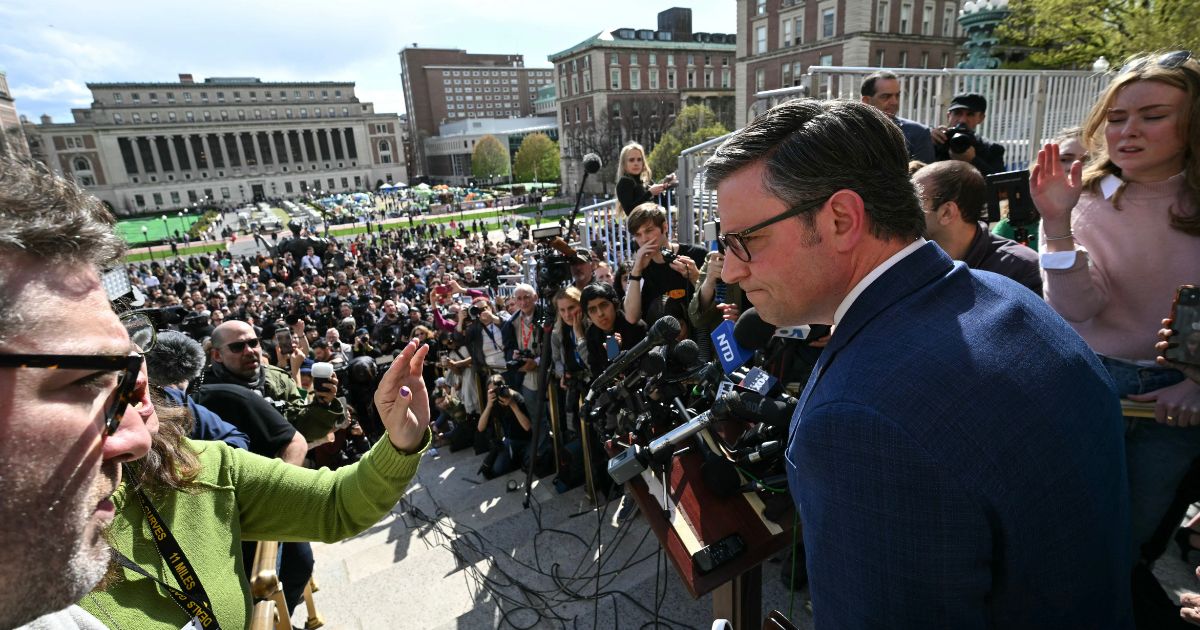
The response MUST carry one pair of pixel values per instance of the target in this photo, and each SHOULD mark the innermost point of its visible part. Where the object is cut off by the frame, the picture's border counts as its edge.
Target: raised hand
(402, 401)
(1055, 191)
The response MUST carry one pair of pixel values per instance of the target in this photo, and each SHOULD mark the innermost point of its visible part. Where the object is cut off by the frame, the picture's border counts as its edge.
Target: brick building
(443, 85)
(780, 39)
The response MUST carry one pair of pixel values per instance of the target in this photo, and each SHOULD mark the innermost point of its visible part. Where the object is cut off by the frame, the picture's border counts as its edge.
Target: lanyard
(193, 600)
(526, 332)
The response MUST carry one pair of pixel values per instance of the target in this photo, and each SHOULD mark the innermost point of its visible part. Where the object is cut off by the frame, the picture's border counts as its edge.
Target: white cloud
(61, 90)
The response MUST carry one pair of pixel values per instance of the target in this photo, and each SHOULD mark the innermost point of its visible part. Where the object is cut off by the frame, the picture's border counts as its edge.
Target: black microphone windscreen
(174, 358)
(591, 163)
(666, 328)
(751, 332)
(653, 363)
(685, 354)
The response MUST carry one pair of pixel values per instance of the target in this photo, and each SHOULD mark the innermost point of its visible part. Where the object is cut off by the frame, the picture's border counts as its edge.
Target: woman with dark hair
(599, 303)
(185, 507)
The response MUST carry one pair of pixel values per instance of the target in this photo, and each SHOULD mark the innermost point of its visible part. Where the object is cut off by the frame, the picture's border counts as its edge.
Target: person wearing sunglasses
(69, 380)
(1119, 236)
(237, 360)
(956, 454)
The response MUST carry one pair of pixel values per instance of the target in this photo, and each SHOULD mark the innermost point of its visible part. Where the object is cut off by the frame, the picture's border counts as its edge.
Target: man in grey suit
(957, 456)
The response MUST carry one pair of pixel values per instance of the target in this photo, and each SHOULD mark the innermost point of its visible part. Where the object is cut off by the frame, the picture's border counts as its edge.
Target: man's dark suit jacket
(957, 458)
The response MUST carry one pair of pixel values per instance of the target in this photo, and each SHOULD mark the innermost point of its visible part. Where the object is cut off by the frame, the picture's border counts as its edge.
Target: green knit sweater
(240, 495)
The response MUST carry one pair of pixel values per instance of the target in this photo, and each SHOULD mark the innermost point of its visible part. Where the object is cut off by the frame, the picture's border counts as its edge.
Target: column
(137, 154)
(304, 145)
(257, 149)
(171, 151)
(158, 168)
(287, 145)
(224, 150)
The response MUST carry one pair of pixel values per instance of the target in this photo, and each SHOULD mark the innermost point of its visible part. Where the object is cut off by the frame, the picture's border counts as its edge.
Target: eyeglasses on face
(735, 242)
(1172, 59)
(141, 329)
(128, 367)
(239, 346)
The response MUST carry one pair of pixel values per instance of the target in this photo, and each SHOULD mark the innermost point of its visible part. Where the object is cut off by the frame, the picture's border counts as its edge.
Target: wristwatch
(633, 277)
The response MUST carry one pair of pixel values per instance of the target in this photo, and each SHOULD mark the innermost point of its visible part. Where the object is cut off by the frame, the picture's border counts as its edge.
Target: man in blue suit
(957, 455)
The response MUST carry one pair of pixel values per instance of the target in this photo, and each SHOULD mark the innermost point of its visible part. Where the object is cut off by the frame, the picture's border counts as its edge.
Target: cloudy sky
(50, 49)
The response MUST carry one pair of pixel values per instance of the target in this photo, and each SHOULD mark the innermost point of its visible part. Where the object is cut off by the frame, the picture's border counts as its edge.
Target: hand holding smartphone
(1184, 344)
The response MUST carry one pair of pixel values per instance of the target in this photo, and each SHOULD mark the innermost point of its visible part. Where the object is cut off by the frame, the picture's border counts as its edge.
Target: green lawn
(156, 230)
(139, 254)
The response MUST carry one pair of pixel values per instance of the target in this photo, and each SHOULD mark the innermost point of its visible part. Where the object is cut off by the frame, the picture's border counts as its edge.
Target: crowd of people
(958, 453)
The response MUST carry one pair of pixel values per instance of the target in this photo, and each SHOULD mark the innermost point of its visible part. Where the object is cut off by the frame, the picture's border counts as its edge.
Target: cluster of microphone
(659, 399)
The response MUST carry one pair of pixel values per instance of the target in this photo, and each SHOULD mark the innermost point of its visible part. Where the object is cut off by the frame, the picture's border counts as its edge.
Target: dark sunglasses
(735, 242)
(1173, 59)
(238, 346)
(127, 365)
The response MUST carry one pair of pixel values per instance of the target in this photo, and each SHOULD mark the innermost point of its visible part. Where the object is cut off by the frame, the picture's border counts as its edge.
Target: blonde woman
(635, 183)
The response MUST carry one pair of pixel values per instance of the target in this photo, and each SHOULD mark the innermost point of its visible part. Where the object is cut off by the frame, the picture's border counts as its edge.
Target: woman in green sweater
(182, 515)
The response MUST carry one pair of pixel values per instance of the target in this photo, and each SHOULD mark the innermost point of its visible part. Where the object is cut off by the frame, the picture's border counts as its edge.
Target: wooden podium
(686, 516)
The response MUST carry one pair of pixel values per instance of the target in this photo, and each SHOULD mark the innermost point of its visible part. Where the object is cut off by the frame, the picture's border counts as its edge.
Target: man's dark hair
(49, 219)
(957, 181)
(597, 291)
(813, 149)
(648, 212)
(868, 84)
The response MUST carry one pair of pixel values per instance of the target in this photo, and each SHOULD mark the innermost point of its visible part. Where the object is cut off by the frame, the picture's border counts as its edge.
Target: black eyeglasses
(127, 365)
(1173, 59)
(238, 346)
(735, 242)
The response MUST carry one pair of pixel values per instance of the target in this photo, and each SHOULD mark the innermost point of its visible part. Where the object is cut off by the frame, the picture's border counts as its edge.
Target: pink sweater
(1137, 260)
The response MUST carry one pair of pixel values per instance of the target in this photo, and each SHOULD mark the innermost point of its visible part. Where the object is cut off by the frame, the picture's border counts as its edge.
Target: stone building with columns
(146, 147)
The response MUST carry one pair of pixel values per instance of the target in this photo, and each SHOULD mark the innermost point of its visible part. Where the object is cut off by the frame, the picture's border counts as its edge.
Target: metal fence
(603, 223)
(1026, 108)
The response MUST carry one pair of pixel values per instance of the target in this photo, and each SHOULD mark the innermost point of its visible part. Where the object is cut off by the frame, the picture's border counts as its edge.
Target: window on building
(635, 78)
(614, 79)
(170, 97)
(171, 116)
(670, 60)
(760, 39)
(787, 32)
(927, 20)
(879, 56)
(204, 97)
(948, 21)
(906, 17)
(798, 27)
(345, 112)
(903, 58)
(135, 97)
(137, 118)
(652, 78)
(826, 60)
(117, 97)
(312, 94)
(187, 97)
(882, 16)
(612, 59)
(237, 97)
(691, 79)
(760, 7)
(224, 115)
(207, 116)
(652, 59)
(220, 97)
(945, 60)
(760, 80)
(241, 114)
(670, 79)
(189, 116)
(587, 83)
(726, 78)
(828, 22)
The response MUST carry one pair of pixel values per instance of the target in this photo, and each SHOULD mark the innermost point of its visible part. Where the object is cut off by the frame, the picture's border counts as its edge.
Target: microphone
(751, 332)
(685, 354)
(591, 163)
(174, 358)
(749, 405)
(665, 329)
(719, 411)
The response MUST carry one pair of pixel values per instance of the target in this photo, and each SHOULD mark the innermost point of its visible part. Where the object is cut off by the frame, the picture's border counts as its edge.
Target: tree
(693, 125)
(489, 159)
(537, 159)
(1074, 33)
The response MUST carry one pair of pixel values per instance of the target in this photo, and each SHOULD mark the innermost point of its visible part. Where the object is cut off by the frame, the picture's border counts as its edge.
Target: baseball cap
(969, 101)
(306, 367)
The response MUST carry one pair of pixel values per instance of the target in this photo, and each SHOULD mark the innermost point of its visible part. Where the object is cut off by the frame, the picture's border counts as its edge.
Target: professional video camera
(960, 138)
(554, 259)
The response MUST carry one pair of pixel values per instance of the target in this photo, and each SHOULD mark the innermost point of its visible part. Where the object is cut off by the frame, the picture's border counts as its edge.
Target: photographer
(660, 267)
(522, 342)
(506, 409)
(362, 345)
(960, 142)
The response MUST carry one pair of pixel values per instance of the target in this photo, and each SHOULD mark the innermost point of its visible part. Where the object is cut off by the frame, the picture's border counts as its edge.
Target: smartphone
(712, 232)
(283, 340)
(612, 348)
(1185, 322)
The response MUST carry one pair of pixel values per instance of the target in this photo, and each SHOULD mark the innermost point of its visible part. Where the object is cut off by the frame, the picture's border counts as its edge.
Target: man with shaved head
(236, 359)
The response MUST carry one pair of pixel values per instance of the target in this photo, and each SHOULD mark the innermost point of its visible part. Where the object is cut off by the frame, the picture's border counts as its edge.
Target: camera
(668, 255)
(960, 138)
(502, 391)
(519, 360)
(474, 311)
